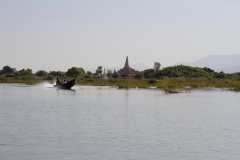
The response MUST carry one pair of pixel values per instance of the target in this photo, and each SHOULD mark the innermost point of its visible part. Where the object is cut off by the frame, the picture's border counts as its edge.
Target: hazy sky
(60, 34)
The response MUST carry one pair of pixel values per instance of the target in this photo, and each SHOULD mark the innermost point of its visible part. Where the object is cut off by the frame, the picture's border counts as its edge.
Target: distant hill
(229, 70)
(225, 63)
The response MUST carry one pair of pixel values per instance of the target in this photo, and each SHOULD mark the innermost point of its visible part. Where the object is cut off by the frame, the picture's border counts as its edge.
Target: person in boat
(64, 81)
(60, 82)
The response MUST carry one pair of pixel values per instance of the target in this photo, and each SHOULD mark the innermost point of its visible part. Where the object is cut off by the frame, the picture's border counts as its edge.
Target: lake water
(87, 123)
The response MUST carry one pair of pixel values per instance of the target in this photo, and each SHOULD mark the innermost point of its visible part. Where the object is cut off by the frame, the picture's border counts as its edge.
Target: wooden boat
(67, 85)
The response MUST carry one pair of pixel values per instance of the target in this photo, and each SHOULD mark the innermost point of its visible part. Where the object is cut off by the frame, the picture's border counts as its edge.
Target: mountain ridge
(225, 63)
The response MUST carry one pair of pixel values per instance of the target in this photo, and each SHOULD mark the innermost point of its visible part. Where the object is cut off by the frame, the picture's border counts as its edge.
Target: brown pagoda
(127, 70)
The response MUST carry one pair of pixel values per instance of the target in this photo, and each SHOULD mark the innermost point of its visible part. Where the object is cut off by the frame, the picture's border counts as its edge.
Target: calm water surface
(41, 122)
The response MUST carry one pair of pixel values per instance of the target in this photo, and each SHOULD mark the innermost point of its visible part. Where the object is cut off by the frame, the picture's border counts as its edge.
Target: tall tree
(7, 69)
(157, 65)
(25, 72)
(115, 74)
(99, 70)
(109, 73)
(41, 73)
(58, 73)
(76, 72)
(89, 73)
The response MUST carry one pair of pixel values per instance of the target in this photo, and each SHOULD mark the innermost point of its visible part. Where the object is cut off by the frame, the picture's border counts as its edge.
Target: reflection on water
(43, 122)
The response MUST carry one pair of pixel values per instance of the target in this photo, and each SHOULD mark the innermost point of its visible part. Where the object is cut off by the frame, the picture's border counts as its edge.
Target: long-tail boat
(66, 85)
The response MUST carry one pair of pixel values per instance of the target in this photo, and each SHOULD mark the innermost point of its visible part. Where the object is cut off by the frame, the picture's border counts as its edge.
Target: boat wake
(45, 85)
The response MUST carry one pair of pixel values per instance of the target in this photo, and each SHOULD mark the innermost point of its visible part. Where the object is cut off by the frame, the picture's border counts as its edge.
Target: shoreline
(169, 85)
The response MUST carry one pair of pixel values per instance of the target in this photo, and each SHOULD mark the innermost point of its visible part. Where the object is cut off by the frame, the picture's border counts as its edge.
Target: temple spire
(127, 63)
(127, 70)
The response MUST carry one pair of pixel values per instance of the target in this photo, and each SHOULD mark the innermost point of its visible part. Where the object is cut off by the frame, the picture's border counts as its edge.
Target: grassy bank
(170, 85)
(30, 80)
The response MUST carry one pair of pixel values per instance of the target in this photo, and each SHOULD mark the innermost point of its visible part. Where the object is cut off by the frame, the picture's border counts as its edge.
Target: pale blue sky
(58, 34)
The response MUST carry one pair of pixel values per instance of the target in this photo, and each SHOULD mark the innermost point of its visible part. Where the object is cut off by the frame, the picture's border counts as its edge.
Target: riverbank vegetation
(171, 79)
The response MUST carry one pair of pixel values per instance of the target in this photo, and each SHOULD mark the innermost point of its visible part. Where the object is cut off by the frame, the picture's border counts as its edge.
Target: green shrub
(50, 77)
(113, 80)
(219, 75)
(58, 73)
(3, 78)
(76, 72)
(41, 73)
(152, 81)
(90, 80)
(115, 75)
(139, 75)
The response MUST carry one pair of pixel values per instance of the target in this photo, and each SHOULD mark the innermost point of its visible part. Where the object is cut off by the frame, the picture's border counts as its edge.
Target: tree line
(154, 73)
(72, 72)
